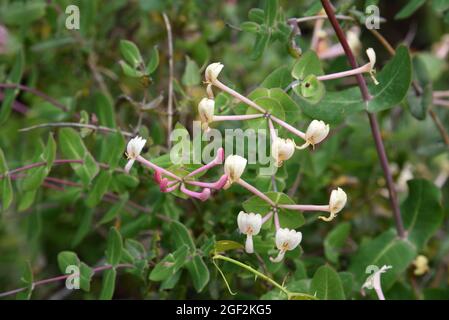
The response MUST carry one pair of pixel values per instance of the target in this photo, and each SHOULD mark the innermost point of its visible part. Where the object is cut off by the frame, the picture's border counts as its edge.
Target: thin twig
(372, 118)
(76, 125)
(170, 78)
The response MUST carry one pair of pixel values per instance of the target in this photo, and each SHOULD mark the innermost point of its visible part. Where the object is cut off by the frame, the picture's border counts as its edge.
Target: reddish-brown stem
(372, 118)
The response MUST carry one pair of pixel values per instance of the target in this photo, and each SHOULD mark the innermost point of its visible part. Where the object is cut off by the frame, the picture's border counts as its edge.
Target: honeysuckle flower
(206, 109)
(372, 62)
(233, 167)
(249, 224)
(212, 71)
(373, 282)
(133, 150)
(353, 38)
(282, 149)
(316, 132)
(421, 264)
(337, 202)
(286, 240)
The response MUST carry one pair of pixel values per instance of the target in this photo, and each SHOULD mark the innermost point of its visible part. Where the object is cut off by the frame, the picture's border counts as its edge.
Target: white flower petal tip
(337, 202)
(249, 224)
(372, 61)
(206, 109)
(212, 71)
(373, 281)
(279, 257)
(234, 167)
(286, 240)
(316, 132)
(133, 150)
(282, 150)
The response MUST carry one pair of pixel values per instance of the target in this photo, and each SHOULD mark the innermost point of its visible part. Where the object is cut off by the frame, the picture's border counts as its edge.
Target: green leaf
(260, 44)
(19, 13)
(191, 76)
(112, 148)
(307, 64)
(395, 79)
(311, 89)
(108, 284)
(7, 192)
(226, 245)
(130, 71)
(279, 78)
(327, 285)
(180, 236)
(34, 178)
(153, 62)
(419, 105)
(84, 226)
(116, 209)
(271, 7)
(99, 188)
(198, 272)
(114, 247)
(72, 147)
(386, 249)
(421, 211)
(135, 249)
(257, 15)
(131, 53)
(170, 265)
(10, 94)
(250, 26)
(86, 274)
(268, 104)
(26, 200)
(335, 240)
(66, 259)
(409, 9)
(288, 218)
(105, 111)
(49, 153)
(27, 280)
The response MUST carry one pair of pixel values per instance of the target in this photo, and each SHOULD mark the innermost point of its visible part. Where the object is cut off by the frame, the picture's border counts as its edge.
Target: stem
(372, 118)
(40, 164)
(290, 128)
(170, 83)
(36, 92)
(441, 102)
(60, 278)
(352, 72)
(272, 132)
(151, 165)
(255, 191)
(76, 125)
(305, 207)
(237, 95)
(254, 271)
(318, 17)
(441, 94)
(277, 224)
(440, 127)
(237, 117)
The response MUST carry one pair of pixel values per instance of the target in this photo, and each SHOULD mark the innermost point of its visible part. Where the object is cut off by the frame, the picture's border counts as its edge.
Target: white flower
(316, 132)
(337, 202)
(282, 149)
(249, 224)
(133, 150)
(373, 282)
(421, 264)
(212, 71)
(233, 167)
(372, 62)
(353, 37)
(206, 109)
(286, 240)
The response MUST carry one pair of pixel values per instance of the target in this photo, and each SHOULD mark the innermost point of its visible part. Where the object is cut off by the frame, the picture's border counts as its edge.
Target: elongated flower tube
(316, 132)
(219, 184)
(373, 282)
(206, 109)
(337, 202)
(286, 240)
(133, 150)
(234, 167)
(372, 61)
(212, 72)
(203, 195)
(249, 224)
(282, 150)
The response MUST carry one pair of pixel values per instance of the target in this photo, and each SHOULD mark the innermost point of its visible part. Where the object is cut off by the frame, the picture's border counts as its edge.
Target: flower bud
(337, 202)
(282, 149)
(316, 132)
(206, 109)
(249, 224)
(133, 150)
(233, 167)
(286, 240)
(212, 71)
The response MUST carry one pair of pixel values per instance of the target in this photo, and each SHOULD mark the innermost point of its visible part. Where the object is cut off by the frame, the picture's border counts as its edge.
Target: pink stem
(219, 184)
(151, 165)
(237, 95)
(441, 102)
(305, 207)
(255, 191)
(218, 160)
(441, 94)
(42, 163)
(288, 127)
(348, 73)
(276, 220)
(172, 188)
(238, 117)
(272, 130)
(267, 217)
(203, 195)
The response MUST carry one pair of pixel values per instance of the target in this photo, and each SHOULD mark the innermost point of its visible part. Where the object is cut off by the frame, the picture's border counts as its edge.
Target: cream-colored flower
(286, 240)
(337, 202)
(316, 132)
(133, 150)
(372, 62)
(212, 71)
(282, 149)
(373, 281)
(353, 37)
(421, 264)
(206, 109)
(249, 224)
(233, 167)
